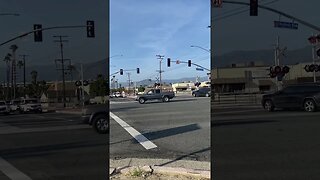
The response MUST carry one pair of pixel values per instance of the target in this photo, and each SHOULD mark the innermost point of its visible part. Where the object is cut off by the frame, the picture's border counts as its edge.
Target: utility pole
(160, 71)
(24, 73)
(314, 60)
(62, 62)
(129, 82)
(14, 67)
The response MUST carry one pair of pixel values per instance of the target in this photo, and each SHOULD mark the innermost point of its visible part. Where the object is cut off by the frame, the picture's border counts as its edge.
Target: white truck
(30, 105)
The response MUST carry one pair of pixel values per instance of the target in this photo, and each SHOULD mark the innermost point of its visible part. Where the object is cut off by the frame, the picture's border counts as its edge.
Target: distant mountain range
(259, 57)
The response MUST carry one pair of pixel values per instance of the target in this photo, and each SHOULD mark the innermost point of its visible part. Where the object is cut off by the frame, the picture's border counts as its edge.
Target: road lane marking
(146, 143)
(12, 172)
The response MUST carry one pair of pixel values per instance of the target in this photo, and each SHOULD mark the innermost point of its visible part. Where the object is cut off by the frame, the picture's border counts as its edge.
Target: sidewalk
(133, 168)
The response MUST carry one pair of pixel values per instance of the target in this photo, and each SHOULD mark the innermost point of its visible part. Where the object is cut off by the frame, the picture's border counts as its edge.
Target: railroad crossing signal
(312, 68)
(90, 29)
(38, 33)
(216, 3)
(253, 7)
(279, 72)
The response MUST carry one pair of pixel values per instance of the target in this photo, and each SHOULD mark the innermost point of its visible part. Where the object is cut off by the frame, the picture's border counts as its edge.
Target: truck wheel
(268, 105)
(309, 105)
(165, 99)
(101, 123)
(142, 100)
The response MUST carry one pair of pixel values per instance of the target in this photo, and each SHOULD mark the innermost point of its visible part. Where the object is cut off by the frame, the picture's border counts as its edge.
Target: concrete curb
(162, 170)
(190, 168)
(68, 112)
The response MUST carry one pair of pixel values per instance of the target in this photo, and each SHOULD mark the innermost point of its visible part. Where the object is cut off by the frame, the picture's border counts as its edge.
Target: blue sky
(142, 29)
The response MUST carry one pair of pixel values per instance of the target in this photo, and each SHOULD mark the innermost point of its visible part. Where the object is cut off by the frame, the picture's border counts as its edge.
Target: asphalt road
(179, 129)
(249, 143)
(50, 146)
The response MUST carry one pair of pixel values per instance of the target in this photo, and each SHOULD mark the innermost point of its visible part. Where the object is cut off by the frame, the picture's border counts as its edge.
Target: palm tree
(7, 60)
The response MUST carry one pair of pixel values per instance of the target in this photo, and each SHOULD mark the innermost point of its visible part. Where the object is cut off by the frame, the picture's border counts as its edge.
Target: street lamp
(201, 48)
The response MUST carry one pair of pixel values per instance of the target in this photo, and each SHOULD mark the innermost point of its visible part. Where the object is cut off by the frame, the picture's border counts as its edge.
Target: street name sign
(289, 25)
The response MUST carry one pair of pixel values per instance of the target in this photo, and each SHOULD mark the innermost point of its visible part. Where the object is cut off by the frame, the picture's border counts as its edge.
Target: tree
(141, 89)
(99, 87)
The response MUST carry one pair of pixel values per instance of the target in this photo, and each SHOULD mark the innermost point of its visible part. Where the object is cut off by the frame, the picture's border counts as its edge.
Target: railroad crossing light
(85, 83)
(90, 29)
(78, 83)
(285, 70)
(189, 63)
(168, 62)
(121, 71)
(138, 70)
(253, 7)
(37, 34)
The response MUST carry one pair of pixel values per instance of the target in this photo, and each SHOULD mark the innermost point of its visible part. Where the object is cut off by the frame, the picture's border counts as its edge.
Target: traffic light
(38, 33)
(138, 70)
(253, 7)
(90, 29)
(189, 63)
(121, 71)
(168, 62)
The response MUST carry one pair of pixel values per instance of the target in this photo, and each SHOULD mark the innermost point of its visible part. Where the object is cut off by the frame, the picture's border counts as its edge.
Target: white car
(30, 105)
(15, 105)
(4, 108)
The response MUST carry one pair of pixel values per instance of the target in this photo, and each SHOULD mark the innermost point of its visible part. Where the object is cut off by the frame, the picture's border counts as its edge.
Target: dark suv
(204, 91)
(305, 96)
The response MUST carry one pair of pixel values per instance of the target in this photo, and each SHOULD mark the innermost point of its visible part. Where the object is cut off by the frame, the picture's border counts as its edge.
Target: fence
(237, 98)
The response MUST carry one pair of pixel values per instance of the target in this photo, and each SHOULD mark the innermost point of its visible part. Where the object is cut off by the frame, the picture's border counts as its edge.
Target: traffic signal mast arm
(278, 12)
(42, 29)
(114, 73)
(200, 66)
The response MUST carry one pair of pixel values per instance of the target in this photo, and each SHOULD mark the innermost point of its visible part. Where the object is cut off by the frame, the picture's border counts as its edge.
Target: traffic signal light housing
(38, 33)
(121, 71)
(138, 70)
(90, 29)
(253, 7)
(168, 62)
(189, 63)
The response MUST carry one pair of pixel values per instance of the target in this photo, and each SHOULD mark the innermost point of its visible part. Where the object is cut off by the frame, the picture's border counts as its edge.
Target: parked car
(155, 94)
(304, 96)
(4, 108)
(205, 92)
(15, 105)
(97, 117)
(30, 105)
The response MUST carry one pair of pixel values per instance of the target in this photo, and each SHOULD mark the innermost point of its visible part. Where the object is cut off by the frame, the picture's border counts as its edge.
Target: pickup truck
(155, 94)
(97, 117)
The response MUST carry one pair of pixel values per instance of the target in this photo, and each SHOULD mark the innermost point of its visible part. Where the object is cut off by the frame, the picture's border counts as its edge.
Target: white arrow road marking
(146, 143)
(12, 172)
